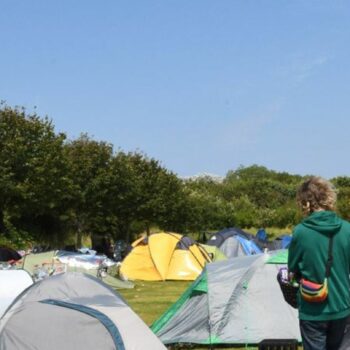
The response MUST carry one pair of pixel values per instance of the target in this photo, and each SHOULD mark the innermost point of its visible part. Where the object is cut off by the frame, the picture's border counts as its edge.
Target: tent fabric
(106, 321)
(87, 261)
(261, 235)
(32, 261)
(283, 241)
(47, 260)
(12, 282)
(346, 340)
(279, 257)
(73, 311)
(164, 256)
(8, 254)
(234, 242)
(214, 252)
(161, 248)
(280, 242)
(241, 304)
(219, 237)
(249, 247)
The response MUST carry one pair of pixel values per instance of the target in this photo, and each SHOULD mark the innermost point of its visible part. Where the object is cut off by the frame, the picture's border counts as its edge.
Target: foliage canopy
(53, 189)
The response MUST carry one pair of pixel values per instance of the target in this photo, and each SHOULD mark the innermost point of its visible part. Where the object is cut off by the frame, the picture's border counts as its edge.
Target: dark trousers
(322, 335)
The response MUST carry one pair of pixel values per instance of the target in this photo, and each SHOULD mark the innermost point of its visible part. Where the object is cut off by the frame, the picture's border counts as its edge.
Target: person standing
(321, 242)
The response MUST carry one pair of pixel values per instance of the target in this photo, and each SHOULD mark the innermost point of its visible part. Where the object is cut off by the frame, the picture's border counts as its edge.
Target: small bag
(289, 289)
(313, 292)
(317, 292)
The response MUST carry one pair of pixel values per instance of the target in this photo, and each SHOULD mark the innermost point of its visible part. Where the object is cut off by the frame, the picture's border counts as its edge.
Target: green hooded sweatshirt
(308, 254)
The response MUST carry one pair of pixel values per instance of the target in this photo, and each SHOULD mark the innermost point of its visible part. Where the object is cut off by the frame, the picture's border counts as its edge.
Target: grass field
(150, 299)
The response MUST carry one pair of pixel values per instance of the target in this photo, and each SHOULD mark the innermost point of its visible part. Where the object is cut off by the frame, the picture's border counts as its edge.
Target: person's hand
(291, 276)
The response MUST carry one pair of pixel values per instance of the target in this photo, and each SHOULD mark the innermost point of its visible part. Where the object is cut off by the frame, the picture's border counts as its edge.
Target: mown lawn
(150, 299)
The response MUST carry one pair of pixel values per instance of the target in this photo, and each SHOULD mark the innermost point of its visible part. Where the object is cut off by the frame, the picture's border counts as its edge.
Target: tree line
(54, 190)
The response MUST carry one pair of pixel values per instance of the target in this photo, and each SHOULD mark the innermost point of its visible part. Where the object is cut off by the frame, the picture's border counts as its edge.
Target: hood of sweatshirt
(323, 221)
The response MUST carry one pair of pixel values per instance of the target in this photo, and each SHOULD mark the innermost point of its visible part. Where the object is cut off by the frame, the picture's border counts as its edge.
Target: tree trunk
(148, 229)
(2, 223)
(79, 239)
(127, 234)
(79, 235)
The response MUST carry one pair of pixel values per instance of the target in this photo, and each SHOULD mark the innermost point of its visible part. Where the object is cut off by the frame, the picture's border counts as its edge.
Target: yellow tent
(164, 256)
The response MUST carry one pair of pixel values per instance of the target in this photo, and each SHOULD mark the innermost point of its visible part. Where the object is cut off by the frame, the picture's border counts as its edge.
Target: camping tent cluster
(235, 301)
(235, 242)
(171, 256)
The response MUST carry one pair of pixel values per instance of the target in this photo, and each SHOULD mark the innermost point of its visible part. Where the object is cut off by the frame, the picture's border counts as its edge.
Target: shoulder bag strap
(330, 257)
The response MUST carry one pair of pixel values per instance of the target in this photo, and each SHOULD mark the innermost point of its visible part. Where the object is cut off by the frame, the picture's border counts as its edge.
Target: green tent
(237, 301)
(214, 252)
(281, 257)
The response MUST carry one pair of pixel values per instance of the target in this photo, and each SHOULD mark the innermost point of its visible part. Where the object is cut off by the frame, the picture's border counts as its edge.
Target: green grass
(150, 299)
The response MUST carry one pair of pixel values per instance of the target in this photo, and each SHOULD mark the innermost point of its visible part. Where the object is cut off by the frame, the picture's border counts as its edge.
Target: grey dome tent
(73, 311)
(237, 301)
(234, 242)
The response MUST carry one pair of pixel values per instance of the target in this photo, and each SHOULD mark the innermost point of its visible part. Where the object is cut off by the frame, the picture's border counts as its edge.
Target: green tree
(208, 209)
(342, 183)
(143, 193)
(88, 167)
(270, 194)
(34, 188)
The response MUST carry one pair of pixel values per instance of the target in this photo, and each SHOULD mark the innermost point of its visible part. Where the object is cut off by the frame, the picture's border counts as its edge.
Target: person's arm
(294, 255)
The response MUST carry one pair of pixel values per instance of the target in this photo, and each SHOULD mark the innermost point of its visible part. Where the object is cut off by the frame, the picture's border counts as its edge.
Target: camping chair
(102, 270)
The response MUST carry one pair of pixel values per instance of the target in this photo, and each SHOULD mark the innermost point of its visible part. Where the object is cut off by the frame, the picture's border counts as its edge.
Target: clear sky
(202, 86)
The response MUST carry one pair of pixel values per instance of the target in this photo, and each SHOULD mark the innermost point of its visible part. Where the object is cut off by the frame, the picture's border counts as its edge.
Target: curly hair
(315, 194)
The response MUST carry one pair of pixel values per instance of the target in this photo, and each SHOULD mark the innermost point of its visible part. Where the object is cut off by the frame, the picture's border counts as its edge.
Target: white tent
(12, 283)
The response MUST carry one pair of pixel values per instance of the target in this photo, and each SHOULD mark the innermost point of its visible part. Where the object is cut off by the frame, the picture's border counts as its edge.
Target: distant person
(323, 302)
(107, 246)
(103, 245)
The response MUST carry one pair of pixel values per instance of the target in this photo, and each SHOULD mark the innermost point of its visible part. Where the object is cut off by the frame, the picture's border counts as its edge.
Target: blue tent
(234, 242)
(283, 241)
(261, 235)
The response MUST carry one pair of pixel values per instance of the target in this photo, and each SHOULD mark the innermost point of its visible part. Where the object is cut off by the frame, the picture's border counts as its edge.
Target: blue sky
(202, 86)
